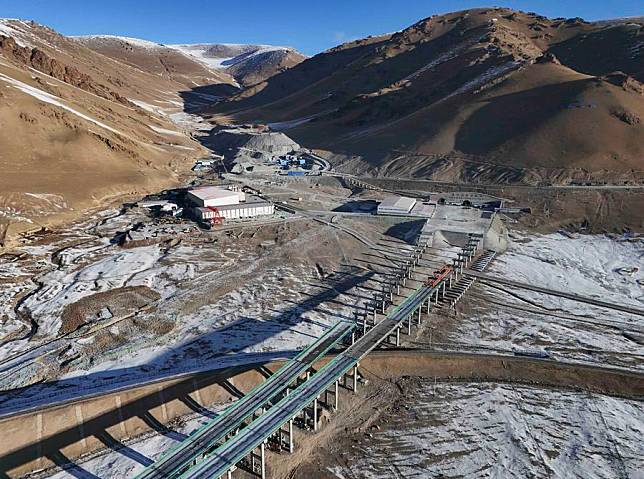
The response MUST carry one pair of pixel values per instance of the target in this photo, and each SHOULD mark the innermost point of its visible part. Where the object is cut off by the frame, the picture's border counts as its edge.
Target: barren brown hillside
(155, 58)
(491, 95)
(79, 128)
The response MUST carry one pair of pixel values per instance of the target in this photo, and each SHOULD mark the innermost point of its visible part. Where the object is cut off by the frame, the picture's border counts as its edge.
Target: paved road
(179, 458)
(234, 450)
(554, 292)
(470, 186)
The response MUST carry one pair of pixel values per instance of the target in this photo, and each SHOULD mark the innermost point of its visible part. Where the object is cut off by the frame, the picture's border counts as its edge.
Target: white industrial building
(249, 209)
(227, 202)
(396, 205)
(206, 196)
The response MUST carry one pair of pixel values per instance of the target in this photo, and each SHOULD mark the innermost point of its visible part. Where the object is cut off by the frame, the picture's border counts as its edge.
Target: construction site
(417, 254)
(296, 339)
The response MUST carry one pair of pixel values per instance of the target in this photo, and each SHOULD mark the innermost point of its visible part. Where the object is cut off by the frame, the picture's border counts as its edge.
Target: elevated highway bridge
(231, 440)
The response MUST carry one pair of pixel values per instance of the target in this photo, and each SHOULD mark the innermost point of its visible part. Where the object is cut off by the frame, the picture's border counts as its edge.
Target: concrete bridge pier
(335, 395)
(256, 462)
(355, 377)
(285, 436)
(315, 414)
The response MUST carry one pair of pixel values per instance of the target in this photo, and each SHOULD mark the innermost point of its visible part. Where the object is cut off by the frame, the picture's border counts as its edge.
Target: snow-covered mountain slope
(157, 59)
(249, 64)
(204, 63)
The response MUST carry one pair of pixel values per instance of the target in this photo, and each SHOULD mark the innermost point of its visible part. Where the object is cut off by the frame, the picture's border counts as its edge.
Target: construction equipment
(438, 276)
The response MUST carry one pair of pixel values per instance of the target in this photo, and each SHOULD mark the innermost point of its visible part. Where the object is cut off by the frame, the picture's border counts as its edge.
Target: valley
(181, 224)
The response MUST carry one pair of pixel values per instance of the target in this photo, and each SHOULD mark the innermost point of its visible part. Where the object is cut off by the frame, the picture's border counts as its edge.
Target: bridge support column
(305, 418)
(333, 393)
(336, 396)
(355, 378)
(420, 309)
(409, 325)
(315, 414)
(429, 304)
(443, 289)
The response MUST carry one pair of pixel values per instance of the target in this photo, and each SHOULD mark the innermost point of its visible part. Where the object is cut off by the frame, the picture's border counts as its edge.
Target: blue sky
(308, 25)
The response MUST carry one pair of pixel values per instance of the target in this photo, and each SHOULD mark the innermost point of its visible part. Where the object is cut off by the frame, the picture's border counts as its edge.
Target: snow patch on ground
(486, 77)
(9, 28)
(509, 318)
(498, 431)
(201, 53)
(149, 108)
(132, 41)
(586, 265)
(198, 52)
(165, 132)
(131, 459)
(442, 58)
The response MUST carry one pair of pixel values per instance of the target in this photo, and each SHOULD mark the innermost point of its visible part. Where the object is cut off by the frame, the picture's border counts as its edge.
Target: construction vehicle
(438, 276)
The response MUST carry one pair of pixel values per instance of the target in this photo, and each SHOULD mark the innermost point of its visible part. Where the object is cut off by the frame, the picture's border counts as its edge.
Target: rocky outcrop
(548, 58)
(41, 61)
(625, 81)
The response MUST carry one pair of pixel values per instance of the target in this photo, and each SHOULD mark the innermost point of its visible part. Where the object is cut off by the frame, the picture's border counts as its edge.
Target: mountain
(156, 58)
(248, 64)
(79, 128)
(490, 95)
(203, 64)
(86, 120)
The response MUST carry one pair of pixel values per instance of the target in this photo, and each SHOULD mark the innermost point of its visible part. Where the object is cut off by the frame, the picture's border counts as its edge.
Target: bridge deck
(177, 459)
(234, 450)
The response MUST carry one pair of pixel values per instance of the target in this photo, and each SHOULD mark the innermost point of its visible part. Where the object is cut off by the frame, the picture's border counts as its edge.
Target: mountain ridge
(433, 93)
(239, 64)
